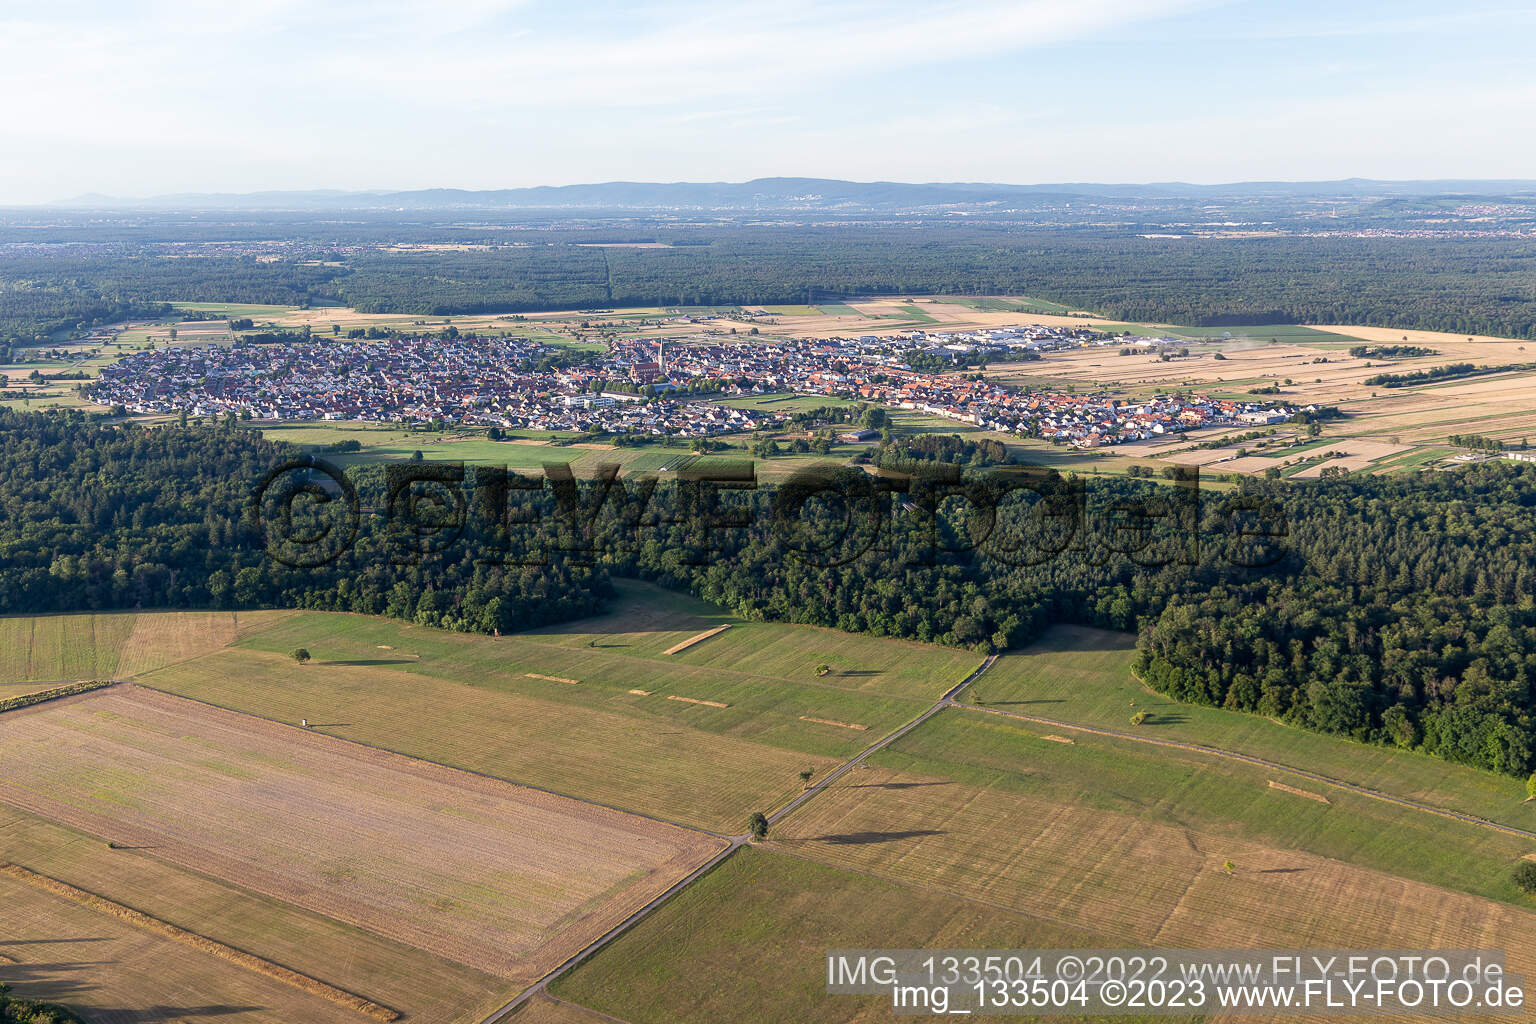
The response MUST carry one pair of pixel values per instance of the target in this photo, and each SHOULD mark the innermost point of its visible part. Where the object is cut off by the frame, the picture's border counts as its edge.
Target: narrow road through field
(735, 843)
(1232, 755)
(949, 700)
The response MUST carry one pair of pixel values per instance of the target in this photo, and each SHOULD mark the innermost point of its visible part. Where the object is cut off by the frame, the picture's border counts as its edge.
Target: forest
(1468, 286)
(1398, 610)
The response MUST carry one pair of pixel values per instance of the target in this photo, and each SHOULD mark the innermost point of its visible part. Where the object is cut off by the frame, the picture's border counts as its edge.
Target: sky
(129, 98)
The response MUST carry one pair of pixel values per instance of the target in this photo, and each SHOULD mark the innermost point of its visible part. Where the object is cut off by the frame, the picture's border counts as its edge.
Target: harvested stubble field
(506, 880)
(1130, 843)
(111, 972)
(425, 988)
(1082, 676)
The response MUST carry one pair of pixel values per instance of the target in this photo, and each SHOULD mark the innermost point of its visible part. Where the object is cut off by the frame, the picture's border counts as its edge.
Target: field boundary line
(736, 843)
(165, 929)
(522, 998)
(440, 764)
(1232, 755)
(27, 700)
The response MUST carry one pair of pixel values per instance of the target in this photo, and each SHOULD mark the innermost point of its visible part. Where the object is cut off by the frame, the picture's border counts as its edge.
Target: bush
(300, 655)
(1525, 877)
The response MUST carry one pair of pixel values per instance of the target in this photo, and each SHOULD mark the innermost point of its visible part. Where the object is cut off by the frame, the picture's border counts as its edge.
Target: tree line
(1397, 610)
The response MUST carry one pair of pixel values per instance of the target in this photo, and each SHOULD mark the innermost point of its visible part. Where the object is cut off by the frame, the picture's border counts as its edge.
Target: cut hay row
(170, 931)
(1073, 743)
(695, 700)
(552, 679)
(642, 693)
(1298, 792)
(829, 721)
(28, 699)
(676, 648)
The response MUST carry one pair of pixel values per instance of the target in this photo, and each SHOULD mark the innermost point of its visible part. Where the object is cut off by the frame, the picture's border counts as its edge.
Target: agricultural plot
(62, 648)
(113, 645)
(747, 942)
(111, 972)
(998, 808)
(643, 753)
(766, 672)
(585, 709)
(422, 987)
(1082, 676)
(506, 880)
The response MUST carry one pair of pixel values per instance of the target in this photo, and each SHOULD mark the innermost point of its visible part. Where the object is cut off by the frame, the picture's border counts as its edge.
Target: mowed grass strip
(1083, 676)
(667, 762)
(748, 942)
(426, 988)
(501, 878)
(109, 970)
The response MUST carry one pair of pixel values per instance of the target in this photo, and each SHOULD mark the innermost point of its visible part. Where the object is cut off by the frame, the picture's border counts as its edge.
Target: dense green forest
(1480, 285)
(1395, 610)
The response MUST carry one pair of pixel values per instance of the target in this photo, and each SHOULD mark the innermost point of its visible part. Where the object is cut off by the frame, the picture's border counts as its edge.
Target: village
(647, 388)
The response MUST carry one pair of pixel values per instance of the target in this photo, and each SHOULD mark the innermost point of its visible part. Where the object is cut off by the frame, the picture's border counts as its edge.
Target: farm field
(977, 790)
(506, 880)
(112, 645)
(1101, 836)
(419, 985)
(109, 971)
(747, 942)
(507, 706)
(1082, 676)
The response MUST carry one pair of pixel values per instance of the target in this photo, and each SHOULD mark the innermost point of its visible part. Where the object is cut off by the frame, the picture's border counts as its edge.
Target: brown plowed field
(488, 874)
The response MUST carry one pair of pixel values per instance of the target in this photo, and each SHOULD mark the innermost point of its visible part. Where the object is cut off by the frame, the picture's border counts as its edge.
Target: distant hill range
(799, 194)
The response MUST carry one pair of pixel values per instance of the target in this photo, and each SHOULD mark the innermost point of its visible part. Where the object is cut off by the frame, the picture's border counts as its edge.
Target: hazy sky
(130, 98)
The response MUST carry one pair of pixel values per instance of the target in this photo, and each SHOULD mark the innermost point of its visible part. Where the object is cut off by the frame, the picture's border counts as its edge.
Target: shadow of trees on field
(370, 662)
(900, 785)
(865, 838)
(1013, 703)
(150, 1014)
(68, 982)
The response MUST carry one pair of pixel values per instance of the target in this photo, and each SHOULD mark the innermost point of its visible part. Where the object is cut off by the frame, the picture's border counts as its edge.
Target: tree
(300, 655)
(823, 669)
(1525, 877)
(1530, 786)
(1228, 867)
(805, 777)
(757, 825)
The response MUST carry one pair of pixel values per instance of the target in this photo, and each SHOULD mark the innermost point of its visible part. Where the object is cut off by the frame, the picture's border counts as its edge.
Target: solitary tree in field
(300, 655)
(757, 825)
(1228, 867)
(805, 777)
(1525, 877)
(823, 669)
